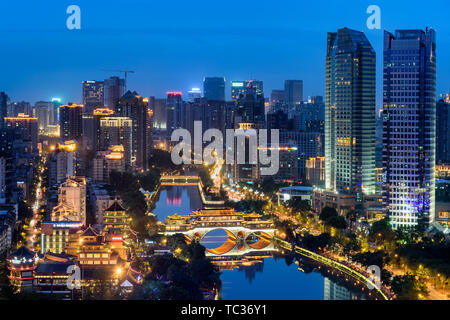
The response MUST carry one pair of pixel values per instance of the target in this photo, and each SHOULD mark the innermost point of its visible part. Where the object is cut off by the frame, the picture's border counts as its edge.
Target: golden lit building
(72, 193)
(116, 217)
(315, 171)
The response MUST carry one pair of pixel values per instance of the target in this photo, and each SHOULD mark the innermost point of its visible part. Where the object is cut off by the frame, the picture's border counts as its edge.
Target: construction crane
(125, 72)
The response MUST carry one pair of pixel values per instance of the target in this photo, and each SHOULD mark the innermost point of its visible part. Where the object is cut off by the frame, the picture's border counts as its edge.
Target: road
(33, 229)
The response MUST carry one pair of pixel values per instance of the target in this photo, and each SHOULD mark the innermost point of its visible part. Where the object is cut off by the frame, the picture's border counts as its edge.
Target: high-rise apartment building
(113, 89)
(71, 122)
(135, 107)
(443, 130)
(93, 96)
(409, 126)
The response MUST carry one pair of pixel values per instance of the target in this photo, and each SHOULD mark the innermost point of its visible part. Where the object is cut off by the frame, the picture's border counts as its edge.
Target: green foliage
(299, 205)
(378, 258)
(327, 213)
(381, 231)
(337, 222)
(407, 287)
(315, 242)
(162, 160)
(248, 205)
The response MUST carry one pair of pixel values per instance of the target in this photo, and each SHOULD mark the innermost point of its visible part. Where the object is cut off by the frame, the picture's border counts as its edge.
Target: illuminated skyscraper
(71, 122)
(350, 114)
(409, 126)
(92, 95)
(133, 106)
(443, 130)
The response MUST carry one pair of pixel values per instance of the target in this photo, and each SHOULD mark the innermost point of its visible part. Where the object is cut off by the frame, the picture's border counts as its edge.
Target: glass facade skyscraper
(214, 88)
(350, 114)
(409, 126)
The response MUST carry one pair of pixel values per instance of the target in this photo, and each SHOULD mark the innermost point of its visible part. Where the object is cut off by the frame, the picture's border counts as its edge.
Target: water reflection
(177, 199)
(259, 274)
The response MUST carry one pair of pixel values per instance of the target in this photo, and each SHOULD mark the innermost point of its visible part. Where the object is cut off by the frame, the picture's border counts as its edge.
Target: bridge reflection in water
(246, 232)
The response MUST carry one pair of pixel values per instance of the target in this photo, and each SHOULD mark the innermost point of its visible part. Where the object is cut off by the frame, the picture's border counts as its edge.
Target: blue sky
(172, 44)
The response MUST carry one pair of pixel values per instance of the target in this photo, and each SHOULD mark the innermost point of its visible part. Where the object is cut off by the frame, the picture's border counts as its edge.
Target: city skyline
(285, 44)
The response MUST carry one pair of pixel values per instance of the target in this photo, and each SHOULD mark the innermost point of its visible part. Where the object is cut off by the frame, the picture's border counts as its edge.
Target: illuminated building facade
(116, 131)
(21, 264)
(72, 194)
(116, 217)
(135, 107)
(315, 171)
(71, 122)
(93, 96)
(23, 127)
(350, 114)
(409, 126)
(442, 130)
(55, 235)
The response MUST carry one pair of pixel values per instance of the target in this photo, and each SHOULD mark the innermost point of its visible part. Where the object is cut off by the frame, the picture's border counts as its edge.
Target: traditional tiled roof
(116, 206)
(23, 252)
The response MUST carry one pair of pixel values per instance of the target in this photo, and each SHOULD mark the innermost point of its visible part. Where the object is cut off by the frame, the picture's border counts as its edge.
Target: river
(260, 275)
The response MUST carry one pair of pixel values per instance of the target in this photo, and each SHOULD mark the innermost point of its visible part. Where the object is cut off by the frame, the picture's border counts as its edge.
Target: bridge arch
(258, 240)
(227, 246)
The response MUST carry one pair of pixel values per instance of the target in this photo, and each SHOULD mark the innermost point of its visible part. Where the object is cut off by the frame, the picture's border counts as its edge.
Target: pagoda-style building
(116, 217)
(21, 265)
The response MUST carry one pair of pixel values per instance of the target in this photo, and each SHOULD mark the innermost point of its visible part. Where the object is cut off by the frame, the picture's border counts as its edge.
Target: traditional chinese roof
(116, 206)
(89, 232)
(23, 252)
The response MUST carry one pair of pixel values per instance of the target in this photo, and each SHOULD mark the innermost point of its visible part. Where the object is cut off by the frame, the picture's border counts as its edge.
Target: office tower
(239, 88)
(4, 102)
(293, 90)
(117, 131)
(194, 93)
(350, 114)
(409, 126)
(310, 115)
(159, 107)
(278, 101)
(93, 97)
(113, 89)
(443, 131)
(196, 111)
(214, 116)
(175, 111)
(309, 144)
(71, 122)
(250, 106)
(41, 111)
(214, 88)
(22, 107)
(315, 171)
(54, 114)
(133, 106)
(24, 128)
(277, 120)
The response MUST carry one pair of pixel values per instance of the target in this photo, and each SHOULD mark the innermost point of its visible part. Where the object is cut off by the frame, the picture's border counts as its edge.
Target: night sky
(172, 45)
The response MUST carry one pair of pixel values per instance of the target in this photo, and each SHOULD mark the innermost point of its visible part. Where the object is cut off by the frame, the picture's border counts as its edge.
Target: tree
(327, 212)
(407, 287)
(337, 222)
